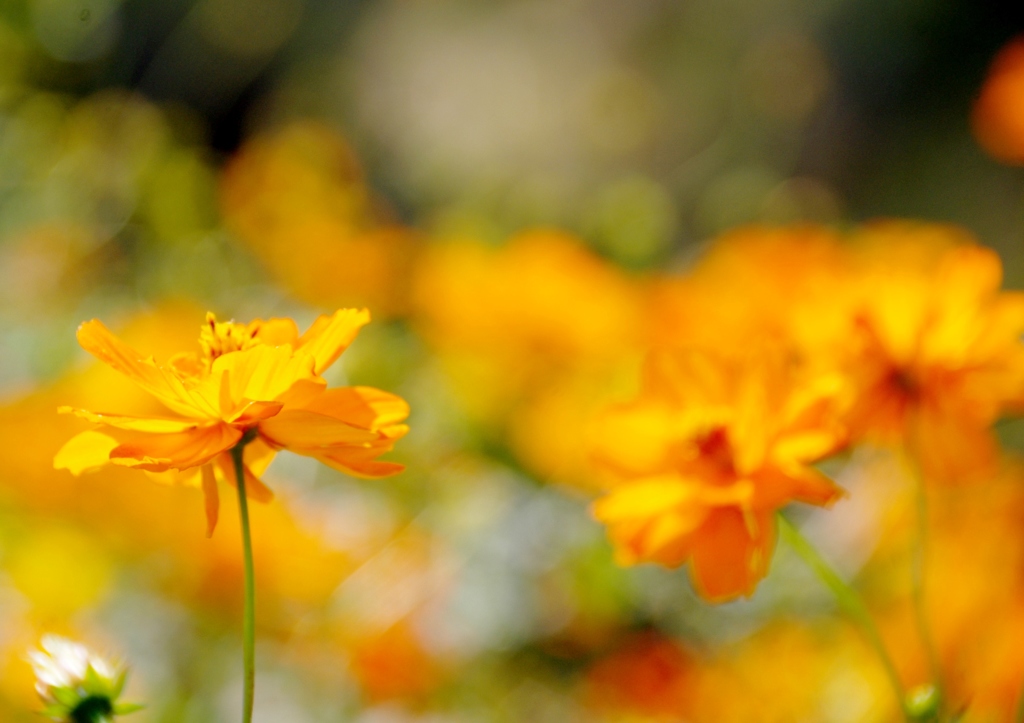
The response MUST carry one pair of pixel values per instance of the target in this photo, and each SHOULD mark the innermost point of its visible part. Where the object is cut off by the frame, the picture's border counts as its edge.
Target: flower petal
(139, 424)
(161, 452)
(85, 452)
(260, 374)
(358, 463)
(211, 499)
(363, 407)
(330, 335)
(254, 487)
(299, 429)
(98, 340)
(731, 553)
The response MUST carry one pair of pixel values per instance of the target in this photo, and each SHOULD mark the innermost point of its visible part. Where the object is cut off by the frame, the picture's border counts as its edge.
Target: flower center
(904, 382)
(715, 454)
(223, 337)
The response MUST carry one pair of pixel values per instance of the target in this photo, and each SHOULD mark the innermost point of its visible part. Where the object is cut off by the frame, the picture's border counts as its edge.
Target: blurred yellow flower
(707, 454)
(260, 381)
(935, 352)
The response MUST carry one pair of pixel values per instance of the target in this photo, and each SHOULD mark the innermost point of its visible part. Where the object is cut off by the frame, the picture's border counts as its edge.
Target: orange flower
(936, 356)
(298, 200)
(649, 674)
(260, 381)
(704, 458)
(998, 116)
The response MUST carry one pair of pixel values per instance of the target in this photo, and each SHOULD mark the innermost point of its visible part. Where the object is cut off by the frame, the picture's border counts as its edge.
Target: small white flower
(73, 682)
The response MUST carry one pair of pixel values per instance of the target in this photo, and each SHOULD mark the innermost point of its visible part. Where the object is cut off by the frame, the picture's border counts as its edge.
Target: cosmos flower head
(256, 384)
(75, 684)
(707, 454)
(935, 353)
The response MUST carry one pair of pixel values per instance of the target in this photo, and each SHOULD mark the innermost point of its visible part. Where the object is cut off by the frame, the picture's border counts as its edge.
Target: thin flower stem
(919, 554)
(848, 599)
(1019, 715)
(249, 619)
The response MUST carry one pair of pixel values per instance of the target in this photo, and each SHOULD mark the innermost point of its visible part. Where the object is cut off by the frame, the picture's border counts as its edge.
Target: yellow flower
(261, 381)
(704, 458)
(936, 354)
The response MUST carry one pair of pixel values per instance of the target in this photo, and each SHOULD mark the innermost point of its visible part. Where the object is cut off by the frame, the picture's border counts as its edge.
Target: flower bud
(76, 685)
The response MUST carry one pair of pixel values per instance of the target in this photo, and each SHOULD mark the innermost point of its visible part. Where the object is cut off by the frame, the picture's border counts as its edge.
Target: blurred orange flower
(784, 285)
(298, 200)
(707, 454)
(998, 116)
(393, 664)
(649, 674)
(936, 352)
(259, 379)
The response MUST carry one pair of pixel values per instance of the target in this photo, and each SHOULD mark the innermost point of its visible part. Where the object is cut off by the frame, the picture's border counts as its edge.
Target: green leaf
(126, 708)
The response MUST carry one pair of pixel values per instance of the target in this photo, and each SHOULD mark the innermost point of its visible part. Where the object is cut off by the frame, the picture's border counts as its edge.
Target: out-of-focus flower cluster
(580, 398)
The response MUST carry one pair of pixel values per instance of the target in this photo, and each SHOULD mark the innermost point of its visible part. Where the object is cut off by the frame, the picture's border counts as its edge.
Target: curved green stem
(848, 599)
(249, 619)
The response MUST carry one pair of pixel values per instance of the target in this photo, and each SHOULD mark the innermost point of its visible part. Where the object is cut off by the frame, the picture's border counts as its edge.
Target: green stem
(919, 554)
(249, 620)
(848, 599)
(1019, 715)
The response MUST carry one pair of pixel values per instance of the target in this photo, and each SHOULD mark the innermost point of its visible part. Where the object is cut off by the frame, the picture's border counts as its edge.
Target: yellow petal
(85, 452)
(98, 340)
(274, 332)
(140, 424)
(652, 496)
(260, 374)
(330, 335)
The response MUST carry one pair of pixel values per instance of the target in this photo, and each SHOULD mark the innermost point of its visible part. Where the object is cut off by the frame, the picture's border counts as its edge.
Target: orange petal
(330, 335)
(363, 407)
(298, 429)
(951, 447)
(211, 498)
(258, 456)
(160, 452)
(98, 340)
(251, 412)
(353, 463)
(254, 487)
(775, 488)
(730, 555)
(184, 478)
(85, 452)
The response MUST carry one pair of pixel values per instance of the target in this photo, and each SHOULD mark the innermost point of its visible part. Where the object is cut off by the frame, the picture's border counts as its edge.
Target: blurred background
(499, 183)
